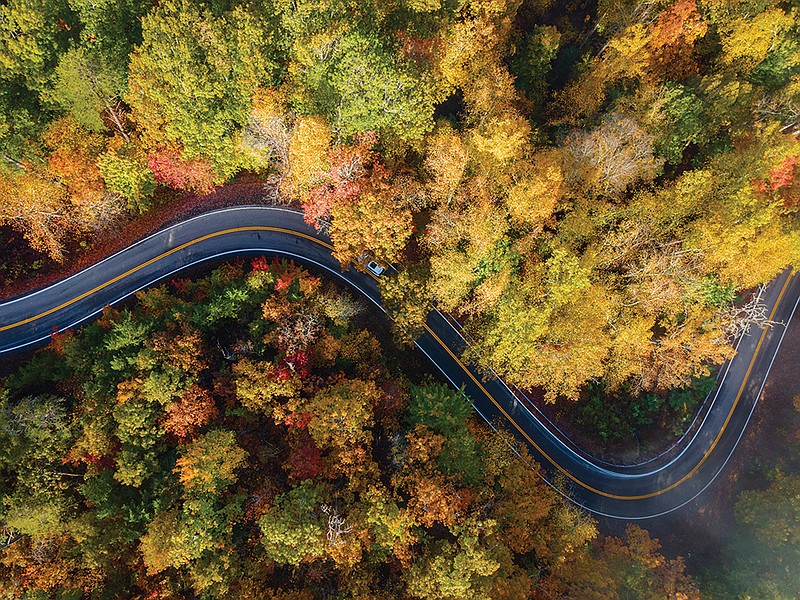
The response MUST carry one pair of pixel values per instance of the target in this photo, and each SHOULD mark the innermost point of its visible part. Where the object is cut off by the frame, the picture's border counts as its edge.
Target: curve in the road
(630, 492)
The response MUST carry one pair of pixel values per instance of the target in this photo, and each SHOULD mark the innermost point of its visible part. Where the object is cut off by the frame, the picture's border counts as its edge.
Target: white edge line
(353, 285)
(172, 227)
(738, 439)
(493, 428)
(587, 458)
(205, 259)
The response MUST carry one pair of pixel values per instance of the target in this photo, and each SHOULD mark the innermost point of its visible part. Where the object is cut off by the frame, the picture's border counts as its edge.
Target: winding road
(640, 491)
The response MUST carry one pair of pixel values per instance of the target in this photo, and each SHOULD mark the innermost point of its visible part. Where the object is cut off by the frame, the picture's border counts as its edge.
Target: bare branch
(336, 526)
(755, 312)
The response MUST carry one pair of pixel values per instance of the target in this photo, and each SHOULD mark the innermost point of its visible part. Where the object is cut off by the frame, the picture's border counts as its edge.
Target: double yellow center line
(586, 485)
(438, 340)
(156, 259)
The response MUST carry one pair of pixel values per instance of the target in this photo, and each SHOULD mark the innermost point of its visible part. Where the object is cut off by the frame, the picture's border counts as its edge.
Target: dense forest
(587, 187)
(591, 187)
(245, 435)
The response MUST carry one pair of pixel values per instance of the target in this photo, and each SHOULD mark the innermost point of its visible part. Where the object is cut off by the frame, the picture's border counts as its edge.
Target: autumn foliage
(590, 188)
(245, 464)
(653, 145)
(341, 183)
(169, 168)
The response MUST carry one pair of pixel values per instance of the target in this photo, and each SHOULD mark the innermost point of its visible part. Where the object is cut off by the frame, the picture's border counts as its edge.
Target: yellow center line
(156, 259)
(436, 337)
(507, 416)
(586, 485)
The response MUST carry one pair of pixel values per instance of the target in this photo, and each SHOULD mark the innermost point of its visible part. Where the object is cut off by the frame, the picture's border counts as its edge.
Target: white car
(375, 268)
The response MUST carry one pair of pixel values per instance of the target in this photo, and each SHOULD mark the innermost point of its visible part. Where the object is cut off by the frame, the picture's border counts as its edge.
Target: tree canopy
(300, 462)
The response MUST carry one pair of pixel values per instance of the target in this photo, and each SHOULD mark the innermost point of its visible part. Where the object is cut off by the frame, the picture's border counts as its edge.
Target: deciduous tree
(406, 298)
(36, 433)
(673, 39)
(453, 570)
(258, 384)
(30, 38)
(308, 150)
(209, 464)
(73, 163)
(376, 92)
(613, 156)
(748, 39)
(90, 89)
(37, 207)
(372, 224)
(532, 200)
(446, 161)
(125, 171)
(343, 414)
(292, 530)
(192, 79)
(169, 167)
(195, 409)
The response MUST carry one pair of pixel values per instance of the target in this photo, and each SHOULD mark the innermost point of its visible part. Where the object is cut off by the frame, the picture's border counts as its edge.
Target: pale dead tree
(398, 455)
(269, 136)
(113, 106)
(258, 500)
(42, 552)
(267, 133)
(339, 306)
(325, 45)
(336, 525)
(324, 51)
(116, 112)
(626, 244)
(447, 227)
(656, 270)
(323, 226)
(645, 12)
(15, 162)
(458, 497)
(35, 413)
(613, 156)
(8, 536)
(239, 347)
(298, 333)
(754, 312)
(661, 279)
(349, 169)
(272, 194)
(783, 108)
(99, 211)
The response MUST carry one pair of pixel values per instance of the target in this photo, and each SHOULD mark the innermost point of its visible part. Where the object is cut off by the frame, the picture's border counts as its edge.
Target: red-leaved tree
(193, 410)
(170, 169)
(305, 459)
(349, 164)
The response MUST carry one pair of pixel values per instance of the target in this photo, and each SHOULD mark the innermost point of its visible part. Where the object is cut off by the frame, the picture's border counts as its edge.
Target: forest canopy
(592, 189)
(588, 189)
(247, 435)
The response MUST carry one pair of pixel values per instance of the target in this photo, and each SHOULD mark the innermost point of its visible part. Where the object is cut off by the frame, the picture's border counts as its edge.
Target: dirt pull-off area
(172, 207)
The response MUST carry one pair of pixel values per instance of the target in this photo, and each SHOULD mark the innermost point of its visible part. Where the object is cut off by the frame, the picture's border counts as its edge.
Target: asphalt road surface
(640, 491)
